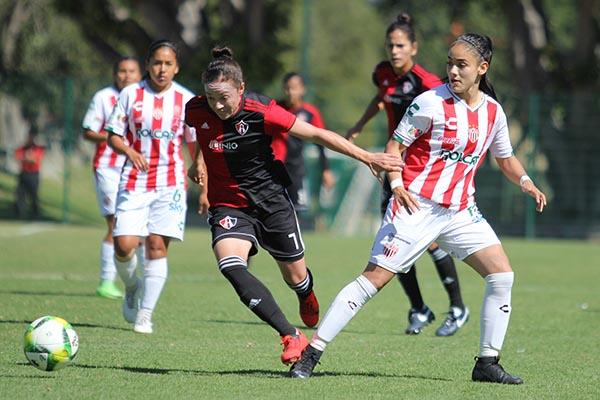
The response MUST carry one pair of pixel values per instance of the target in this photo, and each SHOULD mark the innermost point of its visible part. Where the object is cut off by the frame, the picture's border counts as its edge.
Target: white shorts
(159, 212)
(402, 238)
(107, 187)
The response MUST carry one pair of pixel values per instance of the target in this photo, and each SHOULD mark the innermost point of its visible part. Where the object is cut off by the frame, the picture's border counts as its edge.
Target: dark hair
(223, 67)
(157, 44)
(482, 47)
(125, 58)
(290, 75)
(403, 22)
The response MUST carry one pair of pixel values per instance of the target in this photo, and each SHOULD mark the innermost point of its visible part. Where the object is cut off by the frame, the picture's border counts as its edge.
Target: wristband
(396, 183)
(524, 179)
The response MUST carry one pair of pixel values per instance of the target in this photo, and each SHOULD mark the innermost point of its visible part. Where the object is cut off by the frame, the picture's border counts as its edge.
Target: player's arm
(372, 109)
(377, 162)
(96, 137)
(402, 196)
(512, 168)
(119, 146)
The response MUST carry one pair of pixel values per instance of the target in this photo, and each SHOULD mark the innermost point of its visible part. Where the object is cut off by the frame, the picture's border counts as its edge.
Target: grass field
(206, 345)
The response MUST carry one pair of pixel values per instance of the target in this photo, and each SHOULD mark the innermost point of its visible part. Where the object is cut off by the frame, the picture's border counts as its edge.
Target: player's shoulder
(106, 92)
(426, 76)
(311, 108)
(187, 93)
(495, 105)
(130, 90)
(384, 67)
(256, 102)
(433, 96)
(197, 105)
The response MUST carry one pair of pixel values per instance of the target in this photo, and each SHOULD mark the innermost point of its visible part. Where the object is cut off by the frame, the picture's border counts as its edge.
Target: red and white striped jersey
(447, 142)
(154, 126)
(95, 120)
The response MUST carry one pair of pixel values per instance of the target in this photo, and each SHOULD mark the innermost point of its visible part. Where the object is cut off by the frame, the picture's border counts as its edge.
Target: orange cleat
(293, 346)
(309, 310)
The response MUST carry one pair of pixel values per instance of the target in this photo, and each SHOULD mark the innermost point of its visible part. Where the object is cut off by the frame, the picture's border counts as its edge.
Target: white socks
(155, 276)
(345, 306)
(126, 270)
(141, 254)
(108, 270)
(495, 313)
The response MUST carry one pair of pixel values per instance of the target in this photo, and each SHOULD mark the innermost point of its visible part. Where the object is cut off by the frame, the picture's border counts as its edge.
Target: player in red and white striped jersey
(107, 164)
(444, 137)
(147, 125)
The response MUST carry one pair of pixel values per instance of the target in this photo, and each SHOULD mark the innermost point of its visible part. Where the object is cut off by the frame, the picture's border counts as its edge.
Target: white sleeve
(415, 121)
(500, 146)
(94, 116)
(117, 122)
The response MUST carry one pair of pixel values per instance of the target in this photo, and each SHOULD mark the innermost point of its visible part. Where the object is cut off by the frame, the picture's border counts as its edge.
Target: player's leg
(299, 278)
(458, 314)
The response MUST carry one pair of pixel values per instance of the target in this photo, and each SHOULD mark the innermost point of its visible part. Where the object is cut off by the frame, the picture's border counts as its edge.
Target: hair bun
(404, 18)
(222, 52)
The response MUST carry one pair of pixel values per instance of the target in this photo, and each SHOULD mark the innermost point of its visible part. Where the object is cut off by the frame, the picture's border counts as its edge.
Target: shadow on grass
(259, 373)
(38, 293)
(225, 321)
(75, 325)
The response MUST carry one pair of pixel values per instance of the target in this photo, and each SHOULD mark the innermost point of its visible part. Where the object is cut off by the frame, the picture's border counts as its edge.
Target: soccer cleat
(309, 309)
(487, 369)
(143, 321)
(304, 367)
(109, 290)
(293, 346)
(455, 319)
(131, 302)
(417, 320)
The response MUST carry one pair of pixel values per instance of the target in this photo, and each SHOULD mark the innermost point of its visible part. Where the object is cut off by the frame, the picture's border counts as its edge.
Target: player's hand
(384, 162)
(138, 160)
(352, 133)
(328, 179)
(196, 174)
(405, 200)
(540, 198)
(203, 203)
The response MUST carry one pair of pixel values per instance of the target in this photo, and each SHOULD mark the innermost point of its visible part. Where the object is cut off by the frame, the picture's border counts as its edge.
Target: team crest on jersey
(228, 222)
(407, 87)
(473, 134)
(241, 127)
(138, 106)
(157, 113)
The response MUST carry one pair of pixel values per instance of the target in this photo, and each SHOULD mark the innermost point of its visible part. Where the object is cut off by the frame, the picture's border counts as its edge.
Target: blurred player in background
(30, 157)
(249, 205)
(399, 80)
(107, 165)
(294, 91)
(444, 136)
(147, 125)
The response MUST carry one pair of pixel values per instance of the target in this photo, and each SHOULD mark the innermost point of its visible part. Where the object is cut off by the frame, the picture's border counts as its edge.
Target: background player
(249, 205)
(445, 135)
(399, 80)
(30, 157)
(147, 125)
(294, 91)
(107, 165)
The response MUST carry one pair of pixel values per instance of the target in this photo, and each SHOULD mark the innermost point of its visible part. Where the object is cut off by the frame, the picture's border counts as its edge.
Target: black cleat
(304, 367)
(417, 320)
(487, 369)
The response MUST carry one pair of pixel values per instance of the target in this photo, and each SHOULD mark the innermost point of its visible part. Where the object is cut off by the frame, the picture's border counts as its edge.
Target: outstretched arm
(371, 110)
(377, 162)
(512, 168)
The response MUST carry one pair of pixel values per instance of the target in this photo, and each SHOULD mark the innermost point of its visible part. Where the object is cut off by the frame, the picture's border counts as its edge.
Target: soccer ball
(50, 343)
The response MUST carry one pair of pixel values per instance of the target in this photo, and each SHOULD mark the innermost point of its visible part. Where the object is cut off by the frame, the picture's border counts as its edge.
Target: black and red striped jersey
(242, 169)
(397, 92)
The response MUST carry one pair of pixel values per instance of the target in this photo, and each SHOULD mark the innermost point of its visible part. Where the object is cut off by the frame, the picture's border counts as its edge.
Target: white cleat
(131, 302)
(143, 321)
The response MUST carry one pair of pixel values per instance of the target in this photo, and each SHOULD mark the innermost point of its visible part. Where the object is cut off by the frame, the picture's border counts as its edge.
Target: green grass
(206, 345)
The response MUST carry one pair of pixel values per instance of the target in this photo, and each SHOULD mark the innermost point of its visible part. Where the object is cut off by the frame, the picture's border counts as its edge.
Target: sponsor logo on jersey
(451, 124)
(414, 132)
(228, 222)
(218, 146)
(407, 87)
(390, 249)
(473, 134)
(451, 140)
(205, 126)
(138, 106)
(157, 113)
(459, 156)
(154, 134)
(412, 109)
(241, 127)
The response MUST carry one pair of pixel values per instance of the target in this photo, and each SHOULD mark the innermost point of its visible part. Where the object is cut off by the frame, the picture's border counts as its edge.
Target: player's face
(224, 97)
(294, 90)
(464, 69)
(127, 73)
(400, 50)
(162, 67)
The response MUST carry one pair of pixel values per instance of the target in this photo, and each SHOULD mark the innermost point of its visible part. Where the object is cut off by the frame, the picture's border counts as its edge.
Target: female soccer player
(294, 90)
(399, 80)
(444, 137)
(249, 205)
(107, 166)
(151, 202)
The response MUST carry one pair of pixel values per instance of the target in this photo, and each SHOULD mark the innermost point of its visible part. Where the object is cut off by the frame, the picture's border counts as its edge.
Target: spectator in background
(294, 91)
(30, 156)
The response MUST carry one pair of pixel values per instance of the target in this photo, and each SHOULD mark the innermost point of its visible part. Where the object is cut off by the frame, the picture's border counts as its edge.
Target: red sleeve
(317, 119)
(277, 119)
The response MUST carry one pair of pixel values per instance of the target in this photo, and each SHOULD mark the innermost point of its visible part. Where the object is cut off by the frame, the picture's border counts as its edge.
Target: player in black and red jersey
(294, 90)
(249, 205)
(399, 80)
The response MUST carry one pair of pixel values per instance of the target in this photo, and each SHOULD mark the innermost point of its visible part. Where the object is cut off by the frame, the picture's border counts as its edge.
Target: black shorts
(272, 224)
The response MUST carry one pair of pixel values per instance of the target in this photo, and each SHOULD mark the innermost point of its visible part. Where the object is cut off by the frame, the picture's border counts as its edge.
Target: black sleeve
(323, 161)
